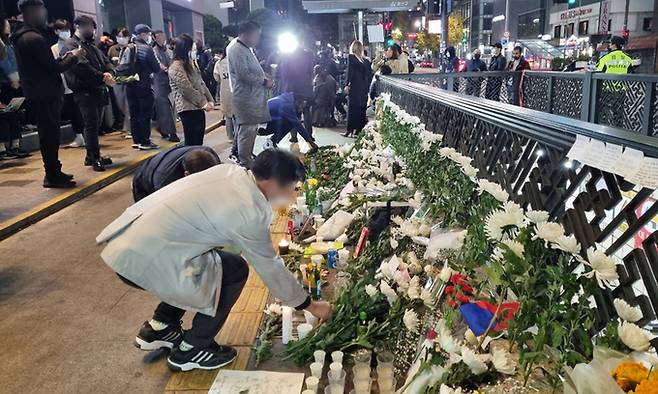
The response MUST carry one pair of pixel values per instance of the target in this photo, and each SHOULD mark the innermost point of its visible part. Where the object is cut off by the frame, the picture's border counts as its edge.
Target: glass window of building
(557, 31)
(531, 24)
(647, 24)
(569, 30)
(486, 24)
(488, 9)
(583, 27)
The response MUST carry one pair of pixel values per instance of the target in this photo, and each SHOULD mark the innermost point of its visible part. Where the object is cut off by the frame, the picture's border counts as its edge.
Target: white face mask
(123, 40)
(149, 40)
(64, 35)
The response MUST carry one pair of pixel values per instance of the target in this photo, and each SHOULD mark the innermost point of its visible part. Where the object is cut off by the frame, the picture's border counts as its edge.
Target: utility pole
(444, 25)
(654, 23)
(506, 17)
(626, 14)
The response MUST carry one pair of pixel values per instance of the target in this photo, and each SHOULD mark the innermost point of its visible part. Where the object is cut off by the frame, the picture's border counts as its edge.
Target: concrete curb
(24, 220)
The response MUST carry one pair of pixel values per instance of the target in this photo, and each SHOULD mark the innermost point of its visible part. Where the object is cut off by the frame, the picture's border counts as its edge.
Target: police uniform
(612, 107)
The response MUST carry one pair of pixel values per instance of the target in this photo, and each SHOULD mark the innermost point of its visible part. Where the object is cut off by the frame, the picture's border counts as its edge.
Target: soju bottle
(318, 280)
(310, 276)
(362, 326)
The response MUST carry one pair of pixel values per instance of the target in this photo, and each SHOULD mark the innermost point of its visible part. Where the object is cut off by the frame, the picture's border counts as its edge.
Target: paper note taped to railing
(627, 162)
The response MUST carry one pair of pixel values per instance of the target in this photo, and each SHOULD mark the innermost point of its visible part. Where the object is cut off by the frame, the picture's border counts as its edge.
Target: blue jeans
(140, 103)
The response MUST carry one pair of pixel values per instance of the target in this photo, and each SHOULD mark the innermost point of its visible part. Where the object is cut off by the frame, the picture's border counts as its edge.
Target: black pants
(194, 126)
(10, 127)
(91, 107)
(71, 112)
(47, 112)
(140, 103)
(235, 272)
(119, 116)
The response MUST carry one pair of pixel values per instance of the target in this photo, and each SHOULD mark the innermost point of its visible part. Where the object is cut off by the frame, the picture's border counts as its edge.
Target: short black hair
(248, 27)
(124, 32)
(62, 25)
(23, 5)
(84, 20)
(155, 33)
(386, 69)
(198, 160)
(518, 48)
(498, 45)
(280, 165)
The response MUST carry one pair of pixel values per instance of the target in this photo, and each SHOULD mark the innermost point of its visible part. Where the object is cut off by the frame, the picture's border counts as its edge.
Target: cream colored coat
(166, 242)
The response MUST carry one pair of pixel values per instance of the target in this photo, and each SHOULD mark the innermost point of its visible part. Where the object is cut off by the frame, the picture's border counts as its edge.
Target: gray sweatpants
(246, 138)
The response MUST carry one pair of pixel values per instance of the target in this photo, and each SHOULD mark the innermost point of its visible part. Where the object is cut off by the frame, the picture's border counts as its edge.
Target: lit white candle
(284, 246)
(286, 325)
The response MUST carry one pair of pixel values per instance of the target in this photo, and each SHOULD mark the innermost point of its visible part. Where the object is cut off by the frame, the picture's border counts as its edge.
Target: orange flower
(647, 386)
(629, 374)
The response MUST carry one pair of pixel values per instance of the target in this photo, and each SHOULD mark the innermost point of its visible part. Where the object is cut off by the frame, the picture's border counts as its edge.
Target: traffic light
(389, 41)
(625, 34)
(571, 2)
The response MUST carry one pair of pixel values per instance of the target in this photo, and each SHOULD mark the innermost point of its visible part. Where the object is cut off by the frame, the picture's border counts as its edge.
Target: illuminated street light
(498, 18)
(417, 23)
(287, 42)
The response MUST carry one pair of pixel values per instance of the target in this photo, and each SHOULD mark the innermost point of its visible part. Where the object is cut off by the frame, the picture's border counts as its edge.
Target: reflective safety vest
(615, 62)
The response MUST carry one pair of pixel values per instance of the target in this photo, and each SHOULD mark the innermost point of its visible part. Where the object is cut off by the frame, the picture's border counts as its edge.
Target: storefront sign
(604, 17)
(575, 13)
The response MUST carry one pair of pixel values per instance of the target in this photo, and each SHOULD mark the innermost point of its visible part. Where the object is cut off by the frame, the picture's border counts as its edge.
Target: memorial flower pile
(468, 288)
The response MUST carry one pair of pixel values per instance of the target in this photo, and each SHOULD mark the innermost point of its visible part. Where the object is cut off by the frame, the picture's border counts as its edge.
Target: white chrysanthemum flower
(397, 220)
(447, 152)
(388, 292)
(515, 246)
(475, 362)
(449, 390)
(413, 292)
(429, 270)
(494, 189)
(511, 214)
(372, 291)
(410, 320)
(416, 200)
(427, 297)
(273, 309)
(394, 243)
(634, 337)
(537, 217)
(549, 232)
(627, 312)
(502, 361)
(603, 268)
(567, 243)
(448, 343)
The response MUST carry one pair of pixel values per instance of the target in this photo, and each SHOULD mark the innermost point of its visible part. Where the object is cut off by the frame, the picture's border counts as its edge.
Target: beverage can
(332, 256)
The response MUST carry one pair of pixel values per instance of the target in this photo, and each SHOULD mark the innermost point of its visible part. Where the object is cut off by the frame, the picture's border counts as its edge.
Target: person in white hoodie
(70, 110)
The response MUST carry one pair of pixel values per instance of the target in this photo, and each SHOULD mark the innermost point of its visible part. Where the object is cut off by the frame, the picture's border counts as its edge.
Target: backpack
(411, 66)
(127, 61)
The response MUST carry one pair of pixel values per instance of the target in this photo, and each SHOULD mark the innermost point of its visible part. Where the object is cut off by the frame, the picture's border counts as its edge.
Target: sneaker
(128, 136)
(106, 161)
(148, 146)
(149, 339)
(78, 142)
(212, 357)
(234, 158)
(135, 146)
(3, 155)
(174, 138)
(269, 144)
(18, 153)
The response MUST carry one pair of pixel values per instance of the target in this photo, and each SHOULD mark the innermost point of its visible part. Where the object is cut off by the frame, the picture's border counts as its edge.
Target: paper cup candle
(284, 247)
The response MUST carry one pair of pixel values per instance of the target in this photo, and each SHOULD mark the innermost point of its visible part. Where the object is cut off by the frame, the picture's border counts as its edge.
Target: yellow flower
(628, 375)
(312, 182)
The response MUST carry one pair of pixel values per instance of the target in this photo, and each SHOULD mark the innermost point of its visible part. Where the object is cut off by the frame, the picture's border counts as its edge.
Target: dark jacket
(476, 65)
(8, 66)
(161, 170)
(147, 64)
(161, 78)
(359, 76)
(523, 65)
(87, 75)
(282, 108)
(39, 71)
(498, 63)
(297, 73)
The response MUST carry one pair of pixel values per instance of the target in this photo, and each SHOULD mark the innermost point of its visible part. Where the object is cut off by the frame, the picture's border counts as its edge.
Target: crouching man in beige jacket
(167, 244)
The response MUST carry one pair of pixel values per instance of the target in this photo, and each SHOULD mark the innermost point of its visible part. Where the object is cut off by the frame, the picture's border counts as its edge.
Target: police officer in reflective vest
(612, 97)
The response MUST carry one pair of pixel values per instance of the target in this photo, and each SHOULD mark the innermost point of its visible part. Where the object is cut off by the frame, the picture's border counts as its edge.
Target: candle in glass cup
(316, 369)
(362, 386)
(337, 356)
(312, 383)
(335, 366)
(385, 384)
(361, 371)
(284, 247)
(385, 370)
(319, 356)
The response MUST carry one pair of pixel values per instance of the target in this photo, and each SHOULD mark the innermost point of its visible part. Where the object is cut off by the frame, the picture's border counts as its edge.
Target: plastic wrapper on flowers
(610, 371)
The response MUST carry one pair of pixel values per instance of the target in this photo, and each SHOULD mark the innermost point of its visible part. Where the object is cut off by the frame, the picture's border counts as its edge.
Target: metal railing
(629, 102)
(524, 150)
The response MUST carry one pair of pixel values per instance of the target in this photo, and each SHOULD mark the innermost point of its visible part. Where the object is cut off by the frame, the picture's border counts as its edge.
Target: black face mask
(476, 56)
(88, 35)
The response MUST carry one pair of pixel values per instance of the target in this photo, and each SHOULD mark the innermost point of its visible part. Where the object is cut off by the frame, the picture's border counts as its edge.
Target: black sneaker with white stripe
(150, 339)
(211, 357)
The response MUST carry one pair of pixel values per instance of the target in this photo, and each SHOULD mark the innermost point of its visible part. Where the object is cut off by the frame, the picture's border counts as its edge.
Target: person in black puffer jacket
(40, 75)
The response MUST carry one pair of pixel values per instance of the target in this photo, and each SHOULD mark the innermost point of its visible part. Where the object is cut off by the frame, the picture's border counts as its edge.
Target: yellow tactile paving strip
(239, 331)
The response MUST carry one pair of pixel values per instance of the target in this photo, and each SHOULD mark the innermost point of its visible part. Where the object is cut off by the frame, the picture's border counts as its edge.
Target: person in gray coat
(249, 86)
(164, 111)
